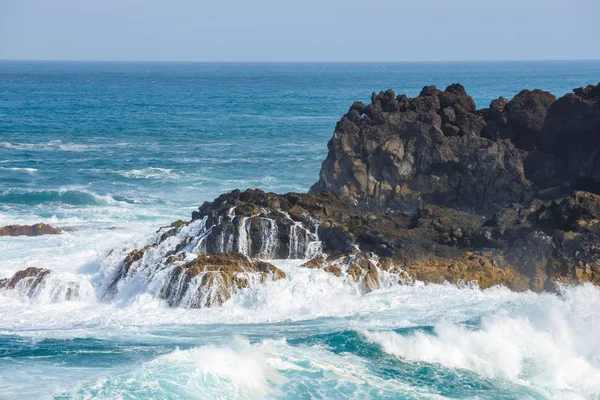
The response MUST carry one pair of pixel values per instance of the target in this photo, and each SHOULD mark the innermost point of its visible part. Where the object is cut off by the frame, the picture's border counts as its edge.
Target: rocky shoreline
(425, 188)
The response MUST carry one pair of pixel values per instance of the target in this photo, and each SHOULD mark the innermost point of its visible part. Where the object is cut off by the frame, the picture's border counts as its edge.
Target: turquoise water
(134, 146)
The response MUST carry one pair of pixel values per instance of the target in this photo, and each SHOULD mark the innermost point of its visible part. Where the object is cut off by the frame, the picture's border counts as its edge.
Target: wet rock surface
(34, 282)
(27, 279)
(210, 280)
(29, 230)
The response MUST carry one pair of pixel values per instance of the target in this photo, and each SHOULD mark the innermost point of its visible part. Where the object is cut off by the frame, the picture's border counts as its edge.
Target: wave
(531, 345)
(306, 295)
(149, 173)
(75, 197)
(52, 145)
(269, 369)
(31, 170)
(550, 344)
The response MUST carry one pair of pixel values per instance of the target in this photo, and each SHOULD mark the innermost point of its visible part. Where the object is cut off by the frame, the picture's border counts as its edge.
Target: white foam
(30, 170)
(52, 145)
(149, 173)
(551, 343)
(268, 369)
(306, 294)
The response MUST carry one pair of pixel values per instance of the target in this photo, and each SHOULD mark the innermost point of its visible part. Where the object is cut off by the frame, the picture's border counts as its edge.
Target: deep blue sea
(109, 152)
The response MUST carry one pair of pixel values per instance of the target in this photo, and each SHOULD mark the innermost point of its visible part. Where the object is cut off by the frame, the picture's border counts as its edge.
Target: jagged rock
(571, 132)
(436, 148)
(426, 149)
(210, 280)
(26, 280)
(32, 281)
(28, 230)
(561, 134)
(521, 119)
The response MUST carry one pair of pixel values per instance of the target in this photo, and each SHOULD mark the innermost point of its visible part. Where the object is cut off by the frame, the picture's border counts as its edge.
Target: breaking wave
(75, 197)
(52, 145)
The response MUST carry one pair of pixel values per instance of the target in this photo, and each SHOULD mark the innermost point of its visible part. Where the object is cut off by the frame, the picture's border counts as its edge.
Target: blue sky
(308, 30)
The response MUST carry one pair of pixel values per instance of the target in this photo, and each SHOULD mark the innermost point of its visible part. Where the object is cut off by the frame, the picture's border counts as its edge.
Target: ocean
(110, 152)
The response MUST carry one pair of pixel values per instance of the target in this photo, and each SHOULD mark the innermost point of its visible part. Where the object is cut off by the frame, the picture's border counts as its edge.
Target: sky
(292, 30)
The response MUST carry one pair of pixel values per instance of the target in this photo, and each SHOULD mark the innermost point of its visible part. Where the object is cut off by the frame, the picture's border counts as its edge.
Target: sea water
(110, 152)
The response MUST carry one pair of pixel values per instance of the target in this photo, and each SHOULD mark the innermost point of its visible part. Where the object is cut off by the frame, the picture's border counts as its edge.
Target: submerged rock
(29, 230)
(26, 280)
(34, 282)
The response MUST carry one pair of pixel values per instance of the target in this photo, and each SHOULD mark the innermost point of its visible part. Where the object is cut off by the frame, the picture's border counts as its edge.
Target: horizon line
(297, 61)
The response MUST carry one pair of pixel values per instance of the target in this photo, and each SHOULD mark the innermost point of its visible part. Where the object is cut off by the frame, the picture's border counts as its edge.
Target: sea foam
(550, 343)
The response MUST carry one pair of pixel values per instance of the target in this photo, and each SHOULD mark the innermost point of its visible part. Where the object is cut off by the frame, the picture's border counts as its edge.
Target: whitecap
(149, 173)
(31, 170)
(550, 343)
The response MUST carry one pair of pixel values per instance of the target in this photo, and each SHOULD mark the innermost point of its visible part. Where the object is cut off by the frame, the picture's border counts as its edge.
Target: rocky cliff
(399, 152)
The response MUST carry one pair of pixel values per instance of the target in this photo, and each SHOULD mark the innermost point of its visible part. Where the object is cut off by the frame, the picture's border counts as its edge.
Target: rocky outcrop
(258, 224)
(522, 246)
(521, 120)
(28, 230)
(27, 280)
(560, 136)
(210, 280)
(36, 282)
(399, 152)
(179, 267)
(425, 188)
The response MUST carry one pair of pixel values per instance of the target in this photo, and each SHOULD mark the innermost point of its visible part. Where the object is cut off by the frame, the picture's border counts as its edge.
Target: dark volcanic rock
(520, 120)
(425, 149)
(523, 246)
(436, 148)
(562, 135)
(28, 230)
(572, 133)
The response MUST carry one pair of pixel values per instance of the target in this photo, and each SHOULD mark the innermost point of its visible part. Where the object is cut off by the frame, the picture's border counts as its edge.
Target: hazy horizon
(311, 31)
(301, 61)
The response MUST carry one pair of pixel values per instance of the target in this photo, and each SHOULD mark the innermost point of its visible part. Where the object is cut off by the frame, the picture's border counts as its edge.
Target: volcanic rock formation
(425, 188)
